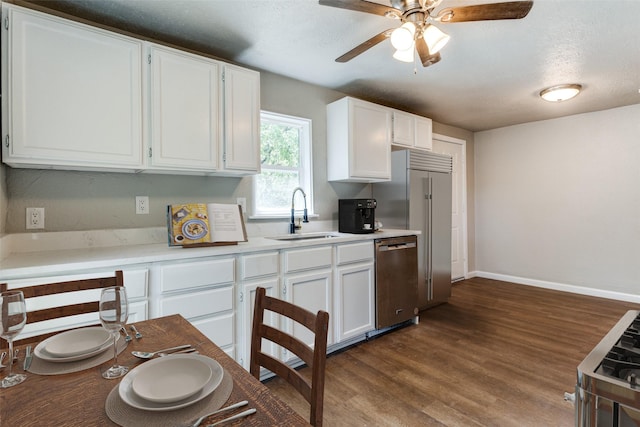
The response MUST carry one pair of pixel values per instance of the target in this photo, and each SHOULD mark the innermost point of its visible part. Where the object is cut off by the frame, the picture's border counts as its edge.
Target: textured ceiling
(490, 74)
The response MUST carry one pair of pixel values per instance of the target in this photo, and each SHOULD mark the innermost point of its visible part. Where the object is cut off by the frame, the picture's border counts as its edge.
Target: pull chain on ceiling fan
(417, 33)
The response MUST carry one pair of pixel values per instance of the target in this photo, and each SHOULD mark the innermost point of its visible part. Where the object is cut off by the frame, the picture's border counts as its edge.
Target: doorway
(457, 149)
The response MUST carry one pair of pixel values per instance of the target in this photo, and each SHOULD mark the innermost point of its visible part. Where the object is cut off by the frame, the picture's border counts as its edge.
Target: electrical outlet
(142, 205)
(35, 218)
(242, 201)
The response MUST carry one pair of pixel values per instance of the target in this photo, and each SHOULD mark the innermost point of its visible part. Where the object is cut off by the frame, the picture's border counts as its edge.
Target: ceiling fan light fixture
(405, 55)
(435, 38)
(560, 92)
(403, 36)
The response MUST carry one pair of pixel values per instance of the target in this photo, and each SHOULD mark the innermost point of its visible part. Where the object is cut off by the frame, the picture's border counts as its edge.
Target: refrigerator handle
(428, 237)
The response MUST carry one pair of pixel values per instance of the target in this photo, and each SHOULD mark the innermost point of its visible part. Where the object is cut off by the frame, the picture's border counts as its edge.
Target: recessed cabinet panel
(185, 110)
(73, 94)
(404, 132)
(424, 133)
(307, 259)
(196, 304)
(354, 308)
(176, 277)
(241, 120)
(218, 329)
(258, 265)
(358, 141)
(354, 252)
(312, 291)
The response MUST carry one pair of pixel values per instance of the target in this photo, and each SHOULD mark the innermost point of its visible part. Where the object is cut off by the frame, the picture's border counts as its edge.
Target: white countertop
(34, 263)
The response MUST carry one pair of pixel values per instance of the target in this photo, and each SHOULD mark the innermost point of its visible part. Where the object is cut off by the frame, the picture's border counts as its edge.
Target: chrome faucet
(292, 226)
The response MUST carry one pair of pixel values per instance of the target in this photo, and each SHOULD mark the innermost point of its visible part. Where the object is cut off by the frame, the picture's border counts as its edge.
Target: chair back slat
(58, 311)
(312, 390)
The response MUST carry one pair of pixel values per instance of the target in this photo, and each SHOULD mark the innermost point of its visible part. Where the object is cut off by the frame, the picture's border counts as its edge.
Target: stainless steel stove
(608, 387)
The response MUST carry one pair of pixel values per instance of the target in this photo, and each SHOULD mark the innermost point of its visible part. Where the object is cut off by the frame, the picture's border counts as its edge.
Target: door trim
(463, 178)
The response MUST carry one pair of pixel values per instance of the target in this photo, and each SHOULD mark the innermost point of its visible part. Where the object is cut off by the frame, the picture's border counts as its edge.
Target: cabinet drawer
(258, 265)
(218, 329)
(196, 304)
(355, 252)
(307, 259)
(196, 274)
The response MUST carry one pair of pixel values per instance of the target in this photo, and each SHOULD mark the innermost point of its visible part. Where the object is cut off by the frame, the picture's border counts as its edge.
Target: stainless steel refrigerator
(418, 197)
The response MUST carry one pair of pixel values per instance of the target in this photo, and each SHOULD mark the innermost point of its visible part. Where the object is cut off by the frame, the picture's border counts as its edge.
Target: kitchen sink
(303, 236)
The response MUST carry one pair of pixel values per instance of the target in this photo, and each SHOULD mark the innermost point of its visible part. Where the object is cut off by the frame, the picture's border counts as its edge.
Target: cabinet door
(354, 301)
(241, 121)
(72, 94)
(370, 154)
(424, 133)
(185, 110)
(247, 300)
(404, 128)
(312, 291)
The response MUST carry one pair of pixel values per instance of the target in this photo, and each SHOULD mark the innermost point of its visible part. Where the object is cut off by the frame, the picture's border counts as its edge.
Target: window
(285, 156)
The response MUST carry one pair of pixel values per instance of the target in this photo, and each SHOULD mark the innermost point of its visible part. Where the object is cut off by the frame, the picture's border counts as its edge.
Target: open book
(202, 224)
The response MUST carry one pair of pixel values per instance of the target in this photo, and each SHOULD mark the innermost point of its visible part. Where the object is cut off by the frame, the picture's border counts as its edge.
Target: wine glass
(12, 320)
(114, 311)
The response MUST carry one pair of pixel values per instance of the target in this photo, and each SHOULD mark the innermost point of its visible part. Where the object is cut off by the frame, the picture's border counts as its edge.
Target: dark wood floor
(498, 354)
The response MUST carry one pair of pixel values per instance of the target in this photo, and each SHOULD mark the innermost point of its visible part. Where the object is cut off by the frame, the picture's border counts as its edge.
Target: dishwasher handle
(395, 247)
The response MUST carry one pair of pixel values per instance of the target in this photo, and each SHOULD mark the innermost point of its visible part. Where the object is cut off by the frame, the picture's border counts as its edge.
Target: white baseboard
(601, 293)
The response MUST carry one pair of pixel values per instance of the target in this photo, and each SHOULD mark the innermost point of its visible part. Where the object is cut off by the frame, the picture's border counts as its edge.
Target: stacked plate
(76, 344)
(170, 382)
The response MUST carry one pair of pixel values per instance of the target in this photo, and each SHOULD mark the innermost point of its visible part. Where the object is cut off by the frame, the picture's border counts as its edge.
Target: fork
(127, 337)
(138, 334)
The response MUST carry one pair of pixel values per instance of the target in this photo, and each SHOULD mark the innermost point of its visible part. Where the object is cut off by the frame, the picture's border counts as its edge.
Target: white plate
(43, 354)
(132, 399)
(169, 379)
(77, 341)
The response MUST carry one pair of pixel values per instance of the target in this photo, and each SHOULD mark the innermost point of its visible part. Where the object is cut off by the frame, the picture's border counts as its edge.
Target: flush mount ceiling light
(560, 92)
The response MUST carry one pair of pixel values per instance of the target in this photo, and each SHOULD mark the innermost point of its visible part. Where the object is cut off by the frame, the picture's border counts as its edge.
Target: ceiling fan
(417, 33)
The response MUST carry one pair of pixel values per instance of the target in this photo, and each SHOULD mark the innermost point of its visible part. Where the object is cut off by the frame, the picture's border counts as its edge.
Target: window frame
(305, 168)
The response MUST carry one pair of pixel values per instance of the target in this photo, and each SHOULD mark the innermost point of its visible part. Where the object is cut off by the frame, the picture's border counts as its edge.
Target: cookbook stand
(196, 225)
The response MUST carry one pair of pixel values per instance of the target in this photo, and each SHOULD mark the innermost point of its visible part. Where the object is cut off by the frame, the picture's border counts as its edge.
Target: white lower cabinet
(245, 309)
(308, 283)
(354, 302)
(202, 292)
(255, 270)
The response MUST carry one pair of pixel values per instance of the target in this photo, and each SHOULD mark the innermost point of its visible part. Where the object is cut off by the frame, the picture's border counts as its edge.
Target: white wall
(558, 203)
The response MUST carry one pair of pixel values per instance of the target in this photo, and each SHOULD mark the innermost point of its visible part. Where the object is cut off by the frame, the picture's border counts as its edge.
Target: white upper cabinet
(241, 153)
(358, 141)
(424, 133)
(185, 110)
(79, 97)
(71, 94)
(404, 128)
(411, 131)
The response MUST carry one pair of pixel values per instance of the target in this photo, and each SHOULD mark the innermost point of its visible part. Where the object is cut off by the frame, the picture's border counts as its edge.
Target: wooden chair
(315, 358)
(62, 311)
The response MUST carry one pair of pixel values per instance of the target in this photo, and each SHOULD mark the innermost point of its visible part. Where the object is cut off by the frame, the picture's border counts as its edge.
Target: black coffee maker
(356, 216)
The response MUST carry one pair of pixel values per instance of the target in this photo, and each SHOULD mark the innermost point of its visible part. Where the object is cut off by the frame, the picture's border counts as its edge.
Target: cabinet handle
(6, 141)
(241, 296)
(284, 290)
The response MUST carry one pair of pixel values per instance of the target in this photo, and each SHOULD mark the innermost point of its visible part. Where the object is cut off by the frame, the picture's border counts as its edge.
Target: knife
(27, 358)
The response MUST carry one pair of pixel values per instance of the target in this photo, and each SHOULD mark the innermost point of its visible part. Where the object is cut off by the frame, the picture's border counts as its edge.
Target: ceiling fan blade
(361, 6)
(486, 12)
(362, 47)
(425, 56)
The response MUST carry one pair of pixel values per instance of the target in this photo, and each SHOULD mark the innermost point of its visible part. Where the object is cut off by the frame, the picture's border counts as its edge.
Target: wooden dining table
(78, 399)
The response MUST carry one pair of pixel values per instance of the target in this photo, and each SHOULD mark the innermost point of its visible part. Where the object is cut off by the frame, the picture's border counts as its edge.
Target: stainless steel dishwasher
(396, 280)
